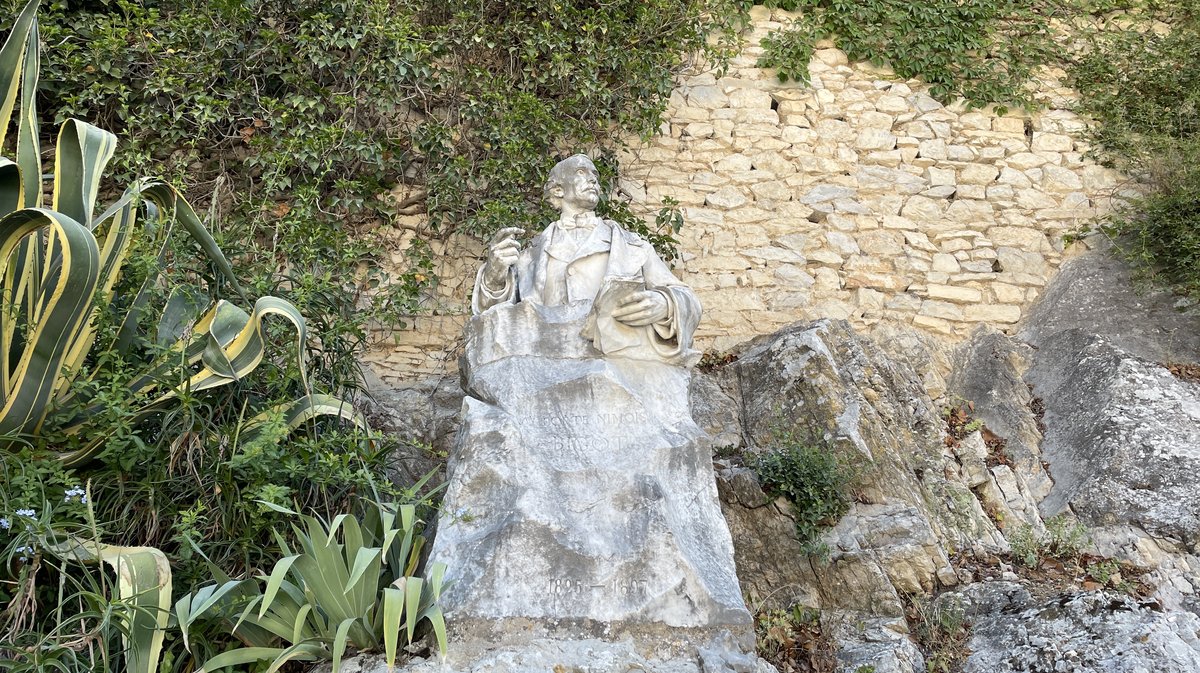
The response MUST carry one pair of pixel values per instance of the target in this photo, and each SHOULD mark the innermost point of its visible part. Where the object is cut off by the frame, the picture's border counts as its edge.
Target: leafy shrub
(299, 118)
(1143, 89)
(114, 354)
(813, 479)
(789, 52)
(1063, 540)
(119, 360)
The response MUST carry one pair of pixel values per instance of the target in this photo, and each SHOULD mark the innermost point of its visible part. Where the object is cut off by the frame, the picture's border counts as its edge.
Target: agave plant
(60, 262)
(329, 594)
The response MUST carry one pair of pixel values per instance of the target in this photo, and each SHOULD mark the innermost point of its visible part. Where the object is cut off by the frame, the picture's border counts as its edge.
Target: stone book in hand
(608, 334)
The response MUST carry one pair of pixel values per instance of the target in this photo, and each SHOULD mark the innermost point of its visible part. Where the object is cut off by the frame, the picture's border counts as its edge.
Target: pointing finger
(506, 233)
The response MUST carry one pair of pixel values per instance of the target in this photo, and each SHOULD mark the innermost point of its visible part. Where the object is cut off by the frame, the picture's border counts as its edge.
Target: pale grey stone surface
(823, 382)
(988, 373)
(1122, 439)
(1086, 632)
(878, 644)
(581, 492)
(571, 656)
(1095, 293)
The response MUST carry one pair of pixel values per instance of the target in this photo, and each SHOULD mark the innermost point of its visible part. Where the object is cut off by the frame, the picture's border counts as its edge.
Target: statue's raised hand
(503, 251)
(642, 308)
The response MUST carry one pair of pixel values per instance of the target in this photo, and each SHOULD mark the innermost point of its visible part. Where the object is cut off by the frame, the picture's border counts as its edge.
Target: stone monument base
(581, 500)
(471, 637)
(575, 656)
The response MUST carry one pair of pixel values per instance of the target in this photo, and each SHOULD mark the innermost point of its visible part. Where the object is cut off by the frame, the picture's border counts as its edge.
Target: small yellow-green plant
(942, 629)
(1063, 540)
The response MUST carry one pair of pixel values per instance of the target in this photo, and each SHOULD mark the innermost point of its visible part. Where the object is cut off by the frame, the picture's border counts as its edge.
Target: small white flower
(5, 524)
(26, 512)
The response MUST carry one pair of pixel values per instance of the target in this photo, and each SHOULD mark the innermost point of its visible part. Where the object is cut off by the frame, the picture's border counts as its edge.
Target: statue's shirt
(568, 275)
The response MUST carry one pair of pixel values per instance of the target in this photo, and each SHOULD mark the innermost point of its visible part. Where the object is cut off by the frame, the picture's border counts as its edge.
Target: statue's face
(580, 184)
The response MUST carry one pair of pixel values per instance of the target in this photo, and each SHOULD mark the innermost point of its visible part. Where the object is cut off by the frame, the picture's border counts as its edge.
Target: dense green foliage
(1141, 83)
(121, 362)
(813, 478)
(983, 51)
(297, 118)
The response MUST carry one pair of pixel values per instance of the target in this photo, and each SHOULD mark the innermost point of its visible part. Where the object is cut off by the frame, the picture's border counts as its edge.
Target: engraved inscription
(589, 434)
(590, 424)
(624, 587)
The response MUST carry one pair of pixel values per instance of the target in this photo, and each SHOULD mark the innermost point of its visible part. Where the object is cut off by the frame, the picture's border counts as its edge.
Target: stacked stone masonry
(854, 196)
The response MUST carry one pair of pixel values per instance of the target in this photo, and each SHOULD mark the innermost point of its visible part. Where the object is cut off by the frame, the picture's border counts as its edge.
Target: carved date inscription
(562, 587)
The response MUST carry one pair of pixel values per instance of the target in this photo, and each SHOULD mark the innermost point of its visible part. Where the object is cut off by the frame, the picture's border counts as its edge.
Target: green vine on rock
(1139, 80)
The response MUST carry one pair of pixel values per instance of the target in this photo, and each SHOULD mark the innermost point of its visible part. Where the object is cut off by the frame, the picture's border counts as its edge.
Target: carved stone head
(574, 184)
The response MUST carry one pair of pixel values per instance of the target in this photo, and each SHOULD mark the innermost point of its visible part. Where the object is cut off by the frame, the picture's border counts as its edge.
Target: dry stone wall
(855, 196)
(859, 196)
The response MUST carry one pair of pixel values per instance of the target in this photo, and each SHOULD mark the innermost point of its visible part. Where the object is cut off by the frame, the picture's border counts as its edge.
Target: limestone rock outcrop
(1012, 632)
(1123, 437)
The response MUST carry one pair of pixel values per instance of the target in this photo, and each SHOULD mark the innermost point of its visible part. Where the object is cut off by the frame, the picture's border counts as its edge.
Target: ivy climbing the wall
(983, 51)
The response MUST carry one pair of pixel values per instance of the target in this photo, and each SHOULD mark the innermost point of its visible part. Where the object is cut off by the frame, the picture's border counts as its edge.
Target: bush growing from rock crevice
(814, 479)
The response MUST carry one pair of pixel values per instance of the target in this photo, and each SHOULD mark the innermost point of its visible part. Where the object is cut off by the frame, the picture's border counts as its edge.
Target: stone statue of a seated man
(584, 258)
(580, 499)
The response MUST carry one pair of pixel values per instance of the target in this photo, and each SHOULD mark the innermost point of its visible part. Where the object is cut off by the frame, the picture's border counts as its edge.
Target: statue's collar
(595, 238)
(587, 220)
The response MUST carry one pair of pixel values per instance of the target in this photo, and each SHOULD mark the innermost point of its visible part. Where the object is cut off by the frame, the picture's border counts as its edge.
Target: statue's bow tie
(580, 221)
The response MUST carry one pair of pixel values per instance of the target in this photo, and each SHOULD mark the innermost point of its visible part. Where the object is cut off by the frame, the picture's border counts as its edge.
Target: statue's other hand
(503, 251)
(642, 308)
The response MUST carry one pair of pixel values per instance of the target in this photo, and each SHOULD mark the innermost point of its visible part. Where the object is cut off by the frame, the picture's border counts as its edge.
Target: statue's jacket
(545, 275)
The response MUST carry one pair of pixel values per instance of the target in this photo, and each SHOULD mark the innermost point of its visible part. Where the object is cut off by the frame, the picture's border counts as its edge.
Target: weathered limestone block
(1131, 445)
(875, 139)
(978, 174)
(1051, 142)
(709, 97)
(1025, 160)
(581, 495)
(1089, 632)
(993, 313)
(726, 197)
(962, 295)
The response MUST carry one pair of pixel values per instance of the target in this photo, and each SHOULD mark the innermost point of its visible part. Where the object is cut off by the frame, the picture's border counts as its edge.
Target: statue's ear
(557, 191)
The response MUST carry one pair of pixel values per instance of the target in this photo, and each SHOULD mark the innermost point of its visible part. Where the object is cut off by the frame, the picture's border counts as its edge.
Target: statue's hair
(558, 175)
